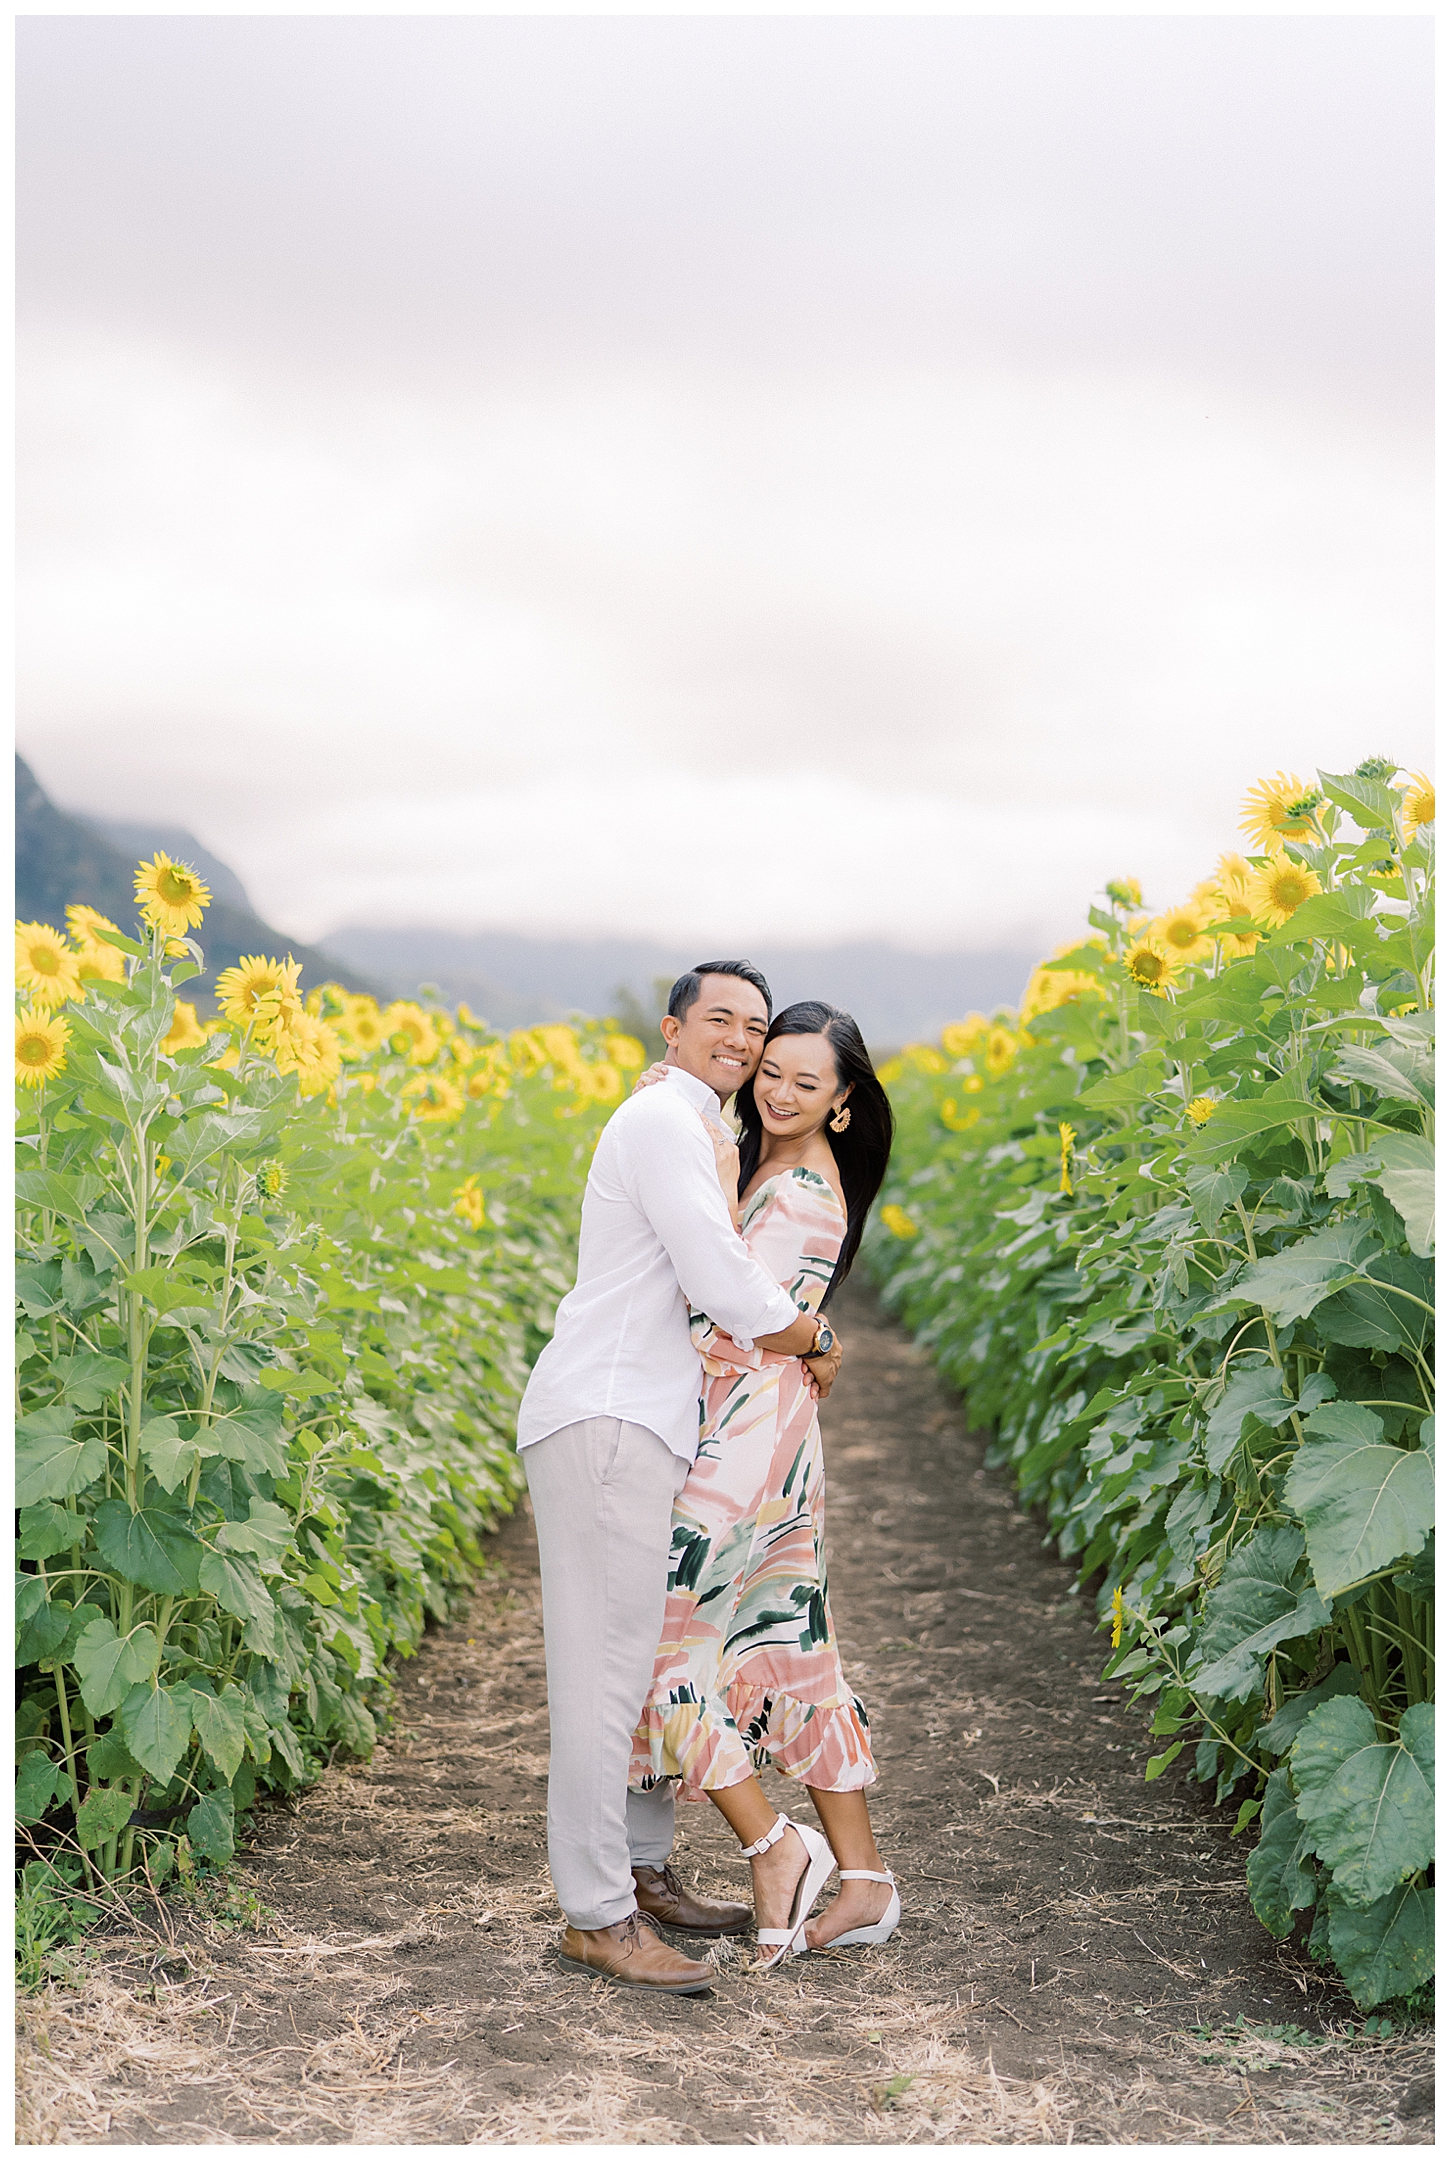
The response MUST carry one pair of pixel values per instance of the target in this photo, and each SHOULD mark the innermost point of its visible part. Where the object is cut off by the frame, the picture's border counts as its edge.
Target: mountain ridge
(514, 980)
(61, 859)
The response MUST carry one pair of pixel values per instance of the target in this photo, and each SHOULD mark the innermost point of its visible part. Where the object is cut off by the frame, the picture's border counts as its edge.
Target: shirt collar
(698, 1092)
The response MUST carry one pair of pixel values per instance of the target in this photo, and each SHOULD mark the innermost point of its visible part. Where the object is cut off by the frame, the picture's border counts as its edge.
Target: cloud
(819, 860)
(411, 193)
(1006, 434)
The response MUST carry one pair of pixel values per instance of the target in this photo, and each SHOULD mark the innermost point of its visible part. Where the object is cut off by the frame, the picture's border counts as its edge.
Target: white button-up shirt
(656, 1238)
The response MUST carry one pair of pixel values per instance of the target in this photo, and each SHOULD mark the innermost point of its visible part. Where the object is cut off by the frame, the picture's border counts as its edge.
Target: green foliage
(49, 1919)
(271, 1343)
(1175, 1248)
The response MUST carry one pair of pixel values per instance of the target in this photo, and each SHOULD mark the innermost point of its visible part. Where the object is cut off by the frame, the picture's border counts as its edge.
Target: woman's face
(796, 1088)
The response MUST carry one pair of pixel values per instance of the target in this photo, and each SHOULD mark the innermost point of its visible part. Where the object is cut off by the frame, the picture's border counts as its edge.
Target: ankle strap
(862, 1874)
(772, 1837)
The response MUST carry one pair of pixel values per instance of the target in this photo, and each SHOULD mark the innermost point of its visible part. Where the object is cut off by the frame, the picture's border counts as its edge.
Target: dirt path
(1070, 1932)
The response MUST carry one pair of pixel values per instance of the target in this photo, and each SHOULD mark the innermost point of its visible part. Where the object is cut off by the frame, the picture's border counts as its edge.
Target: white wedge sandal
(884, 1928)
(790, 1941)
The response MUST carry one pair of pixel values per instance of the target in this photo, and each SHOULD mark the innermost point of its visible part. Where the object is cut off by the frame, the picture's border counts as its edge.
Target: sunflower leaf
(50, 1464)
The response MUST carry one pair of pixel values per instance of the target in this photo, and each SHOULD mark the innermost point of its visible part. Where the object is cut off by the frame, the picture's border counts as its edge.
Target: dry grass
(304, 2032)
(137, 2061)
(1068, 1929)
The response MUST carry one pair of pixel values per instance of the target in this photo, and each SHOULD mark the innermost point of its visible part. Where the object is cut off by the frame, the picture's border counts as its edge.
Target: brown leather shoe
(631, 1953)
(663, 1897)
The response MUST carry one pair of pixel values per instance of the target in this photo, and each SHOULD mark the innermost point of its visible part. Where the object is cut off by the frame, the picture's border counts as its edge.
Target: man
(608, 1429)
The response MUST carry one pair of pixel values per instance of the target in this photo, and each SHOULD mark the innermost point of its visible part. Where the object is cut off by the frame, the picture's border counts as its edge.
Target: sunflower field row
(280, 1278)
(1170, 1230)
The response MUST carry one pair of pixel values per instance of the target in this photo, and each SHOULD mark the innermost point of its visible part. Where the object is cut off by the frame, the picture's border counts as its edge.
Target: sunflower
(45, 964)
(624, 1050)
(96, 961)
(308, 1047)
(184, 1032)
(560, 1046)
(83, 923)
(1376, 768)
(1419, 808)
(40, 1040)
(1280, 886)
(1281, 809)
(525, 1051)
(1001, 1051)
(1201, 1109)
(957, 1120)
(171, 895)
(1227, 893)
(255, 989)
(1183, 930)
(961, 1037)
(100, 963)
(1066, 1134)
(601, 1083)
(898, 1222)
(360, 1025)
(924, 1059)
(1049, 987)
(469, 1202)
(1124, 892)
(1233, 874)
(410, 1030)
(271, 1179)
(435, 1101)
(1151, 965)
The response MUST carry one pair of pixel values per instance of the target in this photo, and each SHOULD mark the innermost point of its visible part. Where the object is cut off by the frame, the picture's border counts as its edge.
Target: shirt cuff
(783, 1315)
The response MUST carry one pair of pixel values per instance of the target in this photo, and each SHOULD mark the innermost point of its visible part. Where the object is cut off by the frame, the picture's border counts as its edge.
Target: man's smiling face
(721, 1037)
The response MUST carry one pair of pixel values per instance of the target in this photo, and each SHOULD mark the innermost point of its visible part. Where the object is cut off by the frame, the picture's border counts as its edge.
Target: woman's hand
(651, 1076)
(822, 1371)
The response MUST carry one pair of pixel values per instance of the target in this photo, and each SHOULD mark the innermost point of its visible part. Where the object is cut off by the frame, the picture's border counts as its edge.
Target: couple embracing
(670, 1436)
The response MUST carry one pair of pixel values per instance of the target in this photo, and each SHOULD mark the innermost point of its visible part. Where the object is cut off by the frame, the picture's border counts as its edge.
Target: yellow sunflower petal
(1152, 965)
(171, 895)
(1279, 887)
(1281, 808)
(40, 1040)
(1419, 799)
(45, 966)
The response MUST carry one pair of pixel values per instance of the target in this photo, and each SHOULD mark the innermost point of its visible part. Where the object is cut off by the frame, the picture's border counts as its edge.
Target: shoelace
(636, 1924)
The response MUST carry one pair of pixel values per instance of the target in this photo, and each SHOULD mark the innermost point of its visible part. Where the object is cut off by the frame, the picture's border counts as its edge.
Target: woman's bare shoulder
(795, 1189)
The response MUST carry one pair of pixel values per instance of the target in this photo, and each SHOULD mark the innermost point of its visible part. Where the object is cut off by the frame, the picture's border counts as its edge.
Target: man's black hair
(687, 990)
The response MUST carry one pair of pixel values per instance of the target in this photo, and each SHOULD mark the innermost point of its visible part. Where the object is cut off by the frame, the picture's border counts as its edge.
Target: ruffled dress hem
(705, 1746)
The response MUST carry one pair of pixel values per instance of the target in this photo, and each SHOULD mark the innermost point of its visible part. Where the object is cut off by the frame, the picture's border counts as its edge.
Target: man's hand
(823, 1370)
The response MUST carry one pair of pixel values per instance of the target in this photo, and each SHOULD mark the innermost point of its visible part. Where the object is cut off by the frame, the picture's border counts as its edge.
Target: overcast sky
(720, 477)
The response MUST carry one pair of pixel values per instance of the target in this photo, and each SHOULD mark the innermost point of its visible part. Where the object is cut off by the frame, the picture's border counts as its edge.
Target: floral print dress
(747, 1670)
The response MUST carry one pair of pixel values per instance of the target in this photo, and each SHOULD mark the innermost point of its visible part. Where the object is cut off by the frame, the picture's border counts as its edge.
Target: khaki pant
(603, 1493)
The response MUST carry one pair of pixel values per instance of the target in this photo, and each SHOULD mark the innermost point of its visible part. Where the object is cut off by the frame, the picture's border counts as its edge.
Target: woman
(748, 1668)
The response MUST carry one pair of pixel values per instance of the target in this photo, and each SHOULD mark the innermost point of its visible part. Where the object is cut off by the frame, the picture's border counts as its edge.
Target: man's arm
(672, 1170)
(822, 1370)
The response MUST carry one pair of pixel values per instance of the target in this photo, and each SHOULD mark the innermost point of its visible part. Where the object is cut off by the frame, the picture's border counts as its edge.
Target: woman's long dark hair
(863, 1150)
